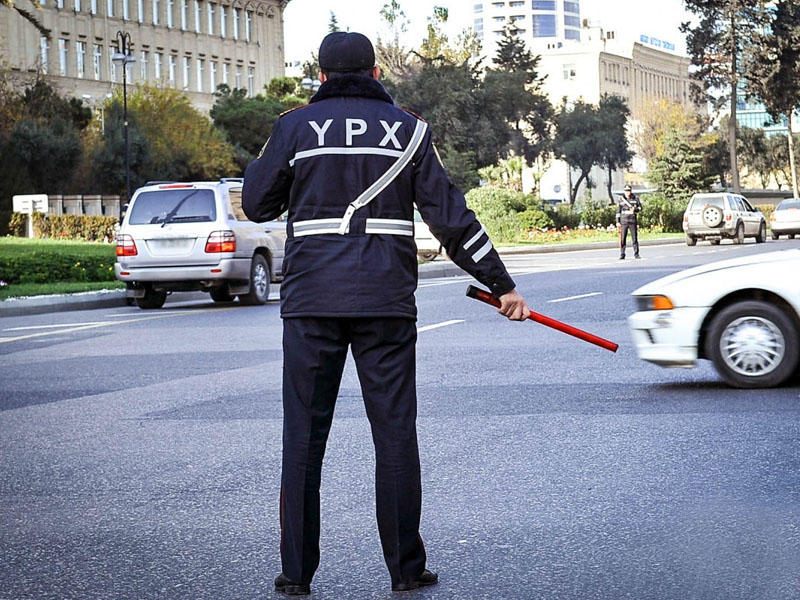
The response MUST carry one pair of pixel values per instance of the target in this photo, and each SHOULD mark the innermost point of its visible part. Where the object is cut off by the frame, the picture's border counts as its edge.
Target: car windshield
(701, 201)
(173, 206)
(786, 204)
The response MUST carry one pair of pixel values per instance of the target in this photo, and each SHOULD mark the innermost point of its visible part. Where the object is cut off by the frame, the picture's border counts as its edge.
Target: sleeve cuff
(502, 285)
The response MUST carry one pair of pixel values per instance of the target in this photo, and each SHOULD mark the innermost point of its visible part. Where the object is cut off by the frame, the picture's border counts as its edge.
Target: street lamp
(124, 57)
(310, 84)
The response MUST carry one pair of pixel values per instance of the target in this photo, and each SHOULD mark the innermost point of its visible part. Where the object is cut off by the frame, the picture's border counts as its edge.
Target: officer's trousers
(314, 355)
(629, 224)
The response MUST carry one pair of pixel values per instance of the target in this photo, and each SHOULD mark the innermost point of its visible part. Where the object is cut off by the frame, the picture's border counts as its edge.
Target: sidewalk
(34, 305)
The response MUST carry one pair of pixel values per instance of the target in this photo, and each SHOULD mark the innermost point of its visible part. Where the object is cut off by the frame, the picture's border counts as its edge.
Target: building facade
(190, 45)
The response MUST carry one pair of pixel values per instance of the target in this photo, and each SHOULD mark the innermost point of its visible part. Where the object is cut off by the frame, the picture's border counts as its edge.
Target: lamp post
(310, 84)
(124, 57)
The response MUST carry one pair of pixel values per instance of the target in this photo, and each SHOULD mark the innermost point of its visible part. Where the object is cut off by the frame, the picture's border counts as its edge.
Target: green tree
(678, 171)
(391, 54)
(576, 141)
(754, 152)
(333, 23)
(716, 44)
(108, 157)
(772, 66)
(656, 117)
(612, 114)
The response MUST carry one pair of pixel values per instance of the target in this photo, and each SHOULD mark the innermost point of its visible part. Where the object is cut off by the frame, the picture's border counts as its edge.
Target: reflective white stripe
(483, 251)
(323, 226)
(340, 150)
(474, 238)
(376, 188)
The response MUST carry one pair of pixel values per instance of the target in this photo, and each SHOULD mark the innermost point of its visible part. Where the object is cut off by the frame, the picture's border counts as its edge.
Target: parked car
(785, 219)
(717, 216)
(742, 314)
(179, 237)
(428, 247)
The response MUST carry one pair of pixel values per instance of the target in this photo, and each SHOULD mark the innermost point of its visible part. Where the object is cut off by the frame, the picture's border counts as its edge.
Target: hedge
(90, 228)
(30, 261)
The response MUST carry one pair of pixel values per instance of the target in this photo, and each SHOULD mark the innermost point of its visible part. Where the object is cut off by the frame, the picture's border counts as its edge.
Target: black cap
(345, 51)
(627, 188)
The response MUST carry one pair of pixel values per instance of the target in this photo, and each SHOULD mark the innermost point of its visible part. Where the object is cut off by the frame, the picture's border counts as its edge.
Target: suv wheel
(738, 236)
(152, 298)
(715, 241)
(221, 294)
(691, 240)
(774, 235)
(762, 233)
(753, 344)
(259, 282)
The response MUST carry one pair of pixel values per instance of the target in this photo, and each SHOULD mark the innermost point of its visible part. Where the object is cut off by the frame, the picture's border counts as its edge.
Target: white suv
(195, 236)
(716, 216)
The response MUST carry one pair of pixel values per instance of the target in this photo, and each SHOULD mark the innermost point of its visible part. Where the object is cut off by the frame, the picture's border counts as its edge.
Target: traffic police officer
(349, 168)
(628, 207)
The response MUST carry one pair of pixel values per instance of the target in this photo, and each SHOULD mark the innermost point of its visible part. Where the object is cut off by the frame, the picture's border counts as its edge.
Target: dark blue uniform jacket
(319, 159)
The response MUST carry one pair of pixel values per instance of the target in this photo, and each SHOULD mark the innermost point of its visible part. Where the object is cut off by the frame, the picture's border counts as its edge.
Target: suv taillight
(221, 241)
(126, 246)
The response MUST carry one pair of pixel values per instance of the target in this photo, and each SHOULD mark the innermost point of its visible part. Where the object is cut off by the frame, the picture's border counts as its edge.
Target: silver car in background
(178, 237)
(717, 216)
(785, 219)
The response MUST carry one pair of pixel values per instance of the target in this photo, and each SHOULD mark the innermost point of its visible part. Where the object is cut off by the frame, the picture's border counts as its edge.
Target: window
(97, 58)
(197, 12)
(44, 48)
(478, 8)
(184, 205)
(77, 5)
(212, 75)
(140, 8)
(186, 72)
(173, 66)
(59, 3)
(210, 18)
(499, 19)
(516, 18)
(110, 8)
(251, 81)
(158, 58)
(544, 26)
(170, 11)
(184, 14)
(155, 12)
(572, 34)
(544, 4)
(569, 72)
(571, 21)
(62, 57)
(143, 65)
(126, 9)
(498, 4)
(235, 31)
(200, 70)
(248, 24)
(238, 77)
(572, 7)
(80, 53)
(516, 4)
(93, 7)
(225, 67)
(223, 20)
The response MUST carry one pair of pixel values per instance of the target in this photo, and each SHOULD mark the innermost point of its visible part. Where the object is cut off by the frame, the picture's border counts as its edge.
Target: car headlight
(654, 303)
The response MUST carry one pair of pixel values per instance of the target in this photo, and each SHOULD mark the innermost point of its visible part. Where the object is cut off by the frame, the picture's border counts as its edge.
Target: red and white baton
(489, 298)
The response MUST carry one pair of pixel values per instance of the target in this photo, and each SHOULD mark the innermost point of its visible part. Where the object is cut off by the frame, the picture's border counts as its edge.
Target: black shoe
(622, 258)
(425, 578)
(637, 256)
(284, 585)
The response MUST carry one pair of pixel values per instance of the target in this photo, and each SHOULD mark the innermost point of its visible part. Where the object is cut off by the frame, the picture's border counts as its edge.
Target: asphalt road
(141, 451)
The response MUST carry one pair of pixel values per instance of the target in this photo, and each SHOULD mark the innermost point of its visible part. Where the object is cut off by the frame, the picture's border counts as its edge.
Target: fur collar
(352, 85)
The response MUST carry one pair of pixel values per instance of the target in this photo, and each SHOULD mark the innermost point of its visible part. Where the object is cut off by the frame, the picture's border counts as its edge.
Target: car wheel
(712, 216)
(427, 254)
(691, 240)
(152, 298)
(738, 236)
(774, 235)
(762, 233)
(791, 236)
(259, 282)
(221, 294)
(715, 242)
(753, 344)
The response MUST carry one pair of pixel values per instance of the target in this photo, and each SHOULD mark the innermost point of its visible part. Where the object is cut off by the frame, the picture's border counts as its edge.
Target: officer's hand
(513, 306)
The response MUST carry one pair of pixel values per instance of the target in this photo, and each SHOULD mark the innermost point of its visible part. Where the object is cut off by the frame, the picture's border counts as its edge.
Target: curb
(37, 305)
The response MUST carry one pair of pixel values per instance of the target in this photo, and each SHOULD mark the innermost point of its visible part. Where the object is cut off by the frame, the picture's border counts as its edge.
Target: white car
(743, 314)
(785, 219)
(428, 247)
(716, 216)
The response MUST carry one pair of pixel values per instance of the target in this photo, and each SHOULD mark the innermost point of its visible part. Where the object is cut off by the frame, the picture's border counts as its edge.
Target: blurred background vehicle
(785, 219)
(180, 237)
(742, 314)
(428, 247)
(717, 216)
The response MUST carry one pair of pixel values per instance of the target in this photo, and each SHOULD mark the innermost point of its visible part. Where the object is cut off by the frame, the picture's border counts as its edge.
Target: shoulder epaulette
(286, 112)
(412, 113)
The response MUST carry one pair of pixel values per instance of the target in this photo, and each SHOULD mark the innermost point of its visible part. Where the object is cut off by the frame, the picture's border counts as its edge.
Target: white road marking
(437, 325)
(56, 325)
(576, 297)
(134, 311)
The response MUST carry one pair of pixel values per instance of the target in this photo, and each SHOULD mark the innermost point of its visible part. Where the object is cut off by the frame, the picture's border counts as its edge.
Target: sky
(306, 21)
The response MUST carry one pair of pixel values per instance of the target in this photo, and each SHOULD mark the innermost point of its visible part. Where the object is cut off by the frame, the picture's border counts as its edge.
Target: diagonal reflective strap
(376, 188)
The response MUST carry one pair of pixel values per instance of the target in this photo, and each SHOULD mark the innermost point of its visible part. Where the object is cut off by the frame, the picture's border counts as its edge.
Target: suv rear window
(698, 203)
(174, 206)
(788, 204)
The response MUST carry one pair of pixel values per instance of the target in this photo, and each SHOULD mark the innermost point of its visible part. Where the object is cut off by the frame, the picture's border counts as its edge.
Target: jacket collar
(352, 85)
